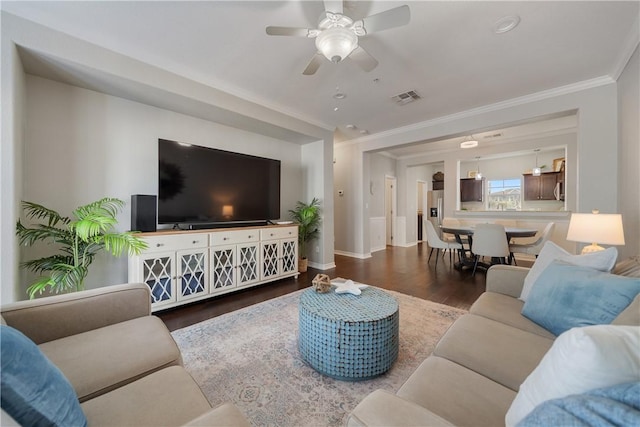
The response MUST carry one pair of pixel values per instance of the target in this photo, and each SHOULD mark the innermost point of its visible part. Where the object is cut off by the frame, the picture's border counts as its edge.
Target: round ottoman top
(372, 304)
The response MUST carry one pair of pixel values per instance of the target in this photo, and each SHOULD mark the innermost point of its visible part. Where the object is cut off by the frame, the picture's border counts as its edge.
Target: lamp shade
(596, 228)
(336, 43)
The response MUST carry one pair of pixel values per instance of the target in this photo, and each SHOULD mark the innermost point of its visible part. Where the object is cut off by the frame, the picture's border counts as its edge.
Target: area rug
(250, 357)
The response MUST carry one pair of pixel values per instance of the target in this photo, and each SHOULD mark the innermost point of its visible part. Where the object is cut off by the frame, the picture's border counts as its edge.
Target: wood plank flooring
(399, 269)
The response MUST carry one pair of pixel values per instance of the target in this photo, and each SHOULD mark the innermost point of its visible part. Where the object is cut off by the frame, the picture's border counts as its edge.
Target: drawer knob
(195, 241)
(225, 238)
(250, 236)
(159, 245)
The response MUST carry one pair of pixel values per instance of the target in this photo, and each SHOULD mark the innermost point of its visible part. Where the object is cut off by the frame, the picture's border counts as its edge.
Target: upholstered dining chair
(435, 242)
(531, 248)
(490, 240)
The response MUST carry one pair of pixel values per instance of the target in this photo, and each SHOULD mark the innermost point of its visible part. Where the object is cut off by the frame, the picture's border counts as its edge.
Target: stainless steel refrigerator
(435, 207)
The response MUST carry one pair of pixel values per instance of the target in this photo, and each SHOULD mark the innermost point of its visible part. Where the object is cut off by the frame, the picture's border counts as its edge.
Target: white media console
(185, 266)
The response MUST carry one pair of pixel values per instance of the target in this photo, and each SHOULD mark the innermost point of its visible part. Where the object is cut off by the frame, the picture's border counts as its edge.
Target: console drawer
(176, 242)
(279, 233)
(231, 237)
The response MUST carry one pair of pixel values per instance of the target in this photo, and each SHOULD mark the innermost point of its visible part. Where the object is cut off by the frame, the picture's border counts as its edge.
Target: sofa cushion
(457, 394)
(168, 397)
(580, 360)
(629, 267)
(565, 296)
(383, 409)
(602, 261)
(34, 392)
(614, 406)
(100, 360)
(508, 310)
(500, 352)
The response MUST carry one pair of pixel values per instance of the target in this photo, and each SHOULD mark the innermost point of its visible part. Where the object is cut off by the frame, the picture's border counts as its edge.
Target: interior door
(390, 207)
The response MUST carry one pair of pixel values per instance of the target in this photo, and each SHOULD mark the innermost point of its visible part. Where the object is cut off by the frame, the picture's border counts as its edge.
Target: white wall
(82, 145)
(629, 156)
(12, 119)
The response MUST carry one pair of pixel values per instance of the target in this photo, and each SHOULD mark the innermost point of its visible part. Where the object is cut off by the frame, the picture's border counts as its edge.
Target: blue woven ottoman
(349, 337)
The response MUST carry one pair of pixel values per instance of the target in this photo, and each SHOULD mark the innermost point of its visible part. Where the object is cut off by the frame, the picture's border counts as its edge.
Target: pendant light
(478, 174)
(536, 170)
(469, 142)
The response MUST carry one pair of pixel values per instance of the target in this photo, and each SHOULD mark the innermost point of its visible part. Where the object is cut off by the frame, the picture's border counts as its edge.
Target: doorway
(390, 200)
(421, 206)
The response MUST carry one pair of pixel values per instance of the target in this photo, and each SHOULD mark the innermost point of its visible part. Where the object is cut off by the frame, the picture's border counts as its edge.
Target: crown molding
(632, 41)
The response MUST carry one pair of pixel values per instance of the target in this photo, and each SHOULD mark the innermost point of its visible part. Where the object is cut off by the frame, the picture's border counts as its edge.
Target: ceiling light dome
(336, 43)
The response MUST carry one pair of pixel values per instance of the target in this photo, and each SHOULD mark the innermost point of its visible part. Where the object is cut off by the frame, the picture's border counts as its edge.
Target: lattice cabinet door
(288, 256)
(159, 273)
(223, 271)
(269, 259)
(248, 267)
(193, 273)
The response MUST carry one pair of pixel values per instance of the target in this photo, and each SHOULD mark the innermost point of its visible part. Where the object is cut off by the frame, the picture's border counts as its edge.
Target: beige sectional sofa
(122, 362)
(476, 369)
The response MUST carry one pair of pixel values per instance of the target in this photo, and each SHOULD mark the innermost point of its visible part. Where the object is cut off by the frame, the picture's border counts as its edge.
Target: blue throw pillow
(566, 296)
(613, 406)
(33, 390)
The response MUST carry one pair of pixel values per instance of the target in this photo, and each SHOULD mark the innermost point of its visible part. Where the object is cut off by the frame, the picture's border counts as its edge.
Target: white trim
(317, 266)
(630, 45)
(353, 254)
(510, 103)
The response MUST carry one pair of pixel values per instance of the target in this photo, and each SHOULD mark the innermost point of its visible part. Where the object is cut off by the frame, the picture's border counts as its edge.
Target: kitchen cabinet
(546, 186)
(471, 190)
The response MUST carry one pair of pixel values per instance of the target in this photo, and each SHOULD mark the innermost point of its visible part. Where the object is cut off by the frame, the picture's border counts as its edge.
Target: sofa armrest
(382, 408)
(50, 318)
(506, 279)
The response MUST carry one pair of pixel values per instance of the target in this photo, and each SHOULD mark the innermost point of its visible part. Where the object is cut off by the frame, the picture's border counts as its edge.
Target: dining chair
(435, 242)
(450, 238)
(490, 240)
(531, 248)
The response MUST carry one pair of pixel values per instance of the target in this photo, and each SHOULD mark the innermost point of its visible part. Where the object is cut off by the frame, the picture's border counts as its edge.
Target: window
(504, 194)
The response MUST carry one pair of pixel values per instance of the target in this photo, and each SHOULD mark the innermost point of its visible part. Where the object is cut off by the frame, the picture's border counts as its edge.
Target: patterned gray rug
(250, 357)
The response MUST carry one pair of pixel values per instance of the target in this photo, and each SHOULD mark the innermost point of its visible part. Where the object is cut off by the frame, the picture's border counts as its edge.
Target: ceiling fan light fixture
(469, 142)
(336, 43)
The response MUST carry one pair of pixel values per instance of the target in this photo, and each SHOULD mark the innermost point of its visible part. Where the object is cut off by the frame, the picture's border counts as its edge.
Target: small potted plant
(308, 218)
(80, 238)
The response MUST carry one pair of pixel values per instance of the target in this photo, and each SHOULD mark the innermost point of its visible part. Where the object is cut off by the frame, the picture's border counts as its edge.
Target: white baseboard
(379, 248)
(353, 254)
(317, 266)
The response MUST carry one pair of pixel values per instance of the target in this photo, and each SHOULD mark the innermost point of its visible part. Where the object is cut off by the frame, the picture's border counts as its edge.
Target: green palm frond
(92, 225)
(117, 243)
(106, 207)
(63, 278)
(38, 212)
(28, 236)
(42, 265)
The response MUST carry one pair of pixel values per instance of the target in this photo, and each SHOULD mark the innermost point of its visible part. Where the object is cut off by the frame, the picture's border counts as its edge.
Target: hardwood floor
(399, 269)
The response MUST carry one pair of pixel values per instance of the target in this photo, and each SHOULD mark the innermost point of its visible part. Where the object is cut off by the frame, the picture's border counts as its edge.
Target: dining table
(464, 236)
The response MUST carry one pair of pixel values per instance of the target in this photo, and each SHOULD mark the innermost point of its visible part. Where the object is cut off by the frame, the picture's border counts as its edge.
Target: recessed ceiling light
(350, 126)
(335, 108)
(340, 95)
(506, 24)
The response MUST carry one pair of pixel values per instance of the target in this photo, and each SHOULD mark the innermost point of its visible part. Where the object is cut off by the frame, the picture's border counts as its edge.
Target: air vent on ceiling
(493, 135)
(406, 97)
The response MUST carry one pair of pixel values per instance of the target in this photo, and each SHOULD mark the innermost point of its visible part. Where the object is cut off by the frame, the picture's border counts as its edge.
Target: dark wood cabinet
(471, 190)
(543, 187)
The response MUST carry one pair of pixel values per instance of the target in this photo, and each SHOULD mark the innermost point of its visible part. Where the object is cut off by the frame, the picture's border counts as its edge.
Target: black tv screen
(200, 185)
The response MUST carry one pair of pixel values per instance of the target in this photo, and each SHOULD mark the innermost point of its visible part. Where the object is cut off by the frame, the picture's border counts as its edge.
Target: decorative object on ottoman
(321, 283)
(348, 287)
(347, 337)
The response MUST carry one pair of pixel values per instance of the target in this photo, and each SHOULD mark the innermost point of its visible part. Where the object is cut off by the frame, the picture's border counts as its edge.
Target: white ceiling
(448, 53)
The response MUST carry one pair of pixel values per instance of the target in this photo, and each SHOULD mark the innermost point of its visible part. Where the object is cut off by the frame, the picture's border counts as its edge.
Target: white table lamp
(596, 228)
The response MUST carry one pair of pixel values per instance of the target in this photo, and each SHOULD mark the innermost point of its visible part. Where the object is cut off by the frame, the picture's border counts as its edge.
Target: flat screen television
(209, 187)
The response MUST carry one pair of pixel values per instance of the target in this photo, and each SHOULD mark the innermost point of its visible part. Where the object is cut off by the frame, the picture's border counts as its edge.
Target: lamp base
(591, 248)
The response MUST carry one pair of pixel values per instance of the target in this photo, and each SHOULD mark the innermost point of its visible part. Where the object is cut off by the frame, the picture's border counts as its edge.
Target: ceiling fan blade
(334, 6)
(314, 64)
(287, 31)
(391, 18)
(363, 59)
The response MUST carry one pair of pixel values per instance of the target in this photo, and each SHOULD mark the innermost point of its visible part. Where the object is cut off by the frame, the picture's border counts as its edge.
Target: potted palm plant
(308, 218)
(79, 238)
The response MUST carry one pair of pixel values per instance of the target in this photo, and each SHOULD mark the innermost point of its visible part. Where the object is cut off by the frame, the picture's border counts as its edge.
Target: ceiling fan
(337, 34)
